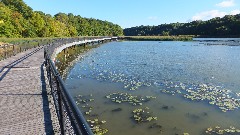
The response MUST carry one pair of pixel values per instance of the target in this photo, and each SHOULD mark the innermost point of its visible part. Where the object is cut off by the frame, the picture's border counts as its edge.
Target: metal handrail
(71, 120)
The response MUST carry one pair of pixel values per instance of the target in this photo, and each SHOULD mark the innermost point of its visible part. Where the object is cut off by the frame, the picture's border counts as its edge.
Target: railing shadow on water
(71, 120)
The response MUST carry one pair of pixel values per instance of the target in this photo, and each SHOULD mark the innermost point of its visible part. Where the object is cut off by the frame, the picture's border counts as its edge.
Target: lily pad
(217, 130)
(128, 98)
(143, 115)
(95, 125)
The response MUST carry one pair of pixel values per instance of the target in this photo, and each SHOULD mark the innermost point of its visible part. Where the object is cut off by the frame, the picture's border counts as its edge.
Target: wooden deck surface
(26, 104)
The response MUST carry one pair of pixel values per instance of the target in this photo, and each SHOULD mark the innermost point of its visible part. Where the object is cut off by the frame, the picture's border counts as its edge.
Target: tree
(38, 23)
(20, 6)
(228, 25)
(165, 33)
(19, 20)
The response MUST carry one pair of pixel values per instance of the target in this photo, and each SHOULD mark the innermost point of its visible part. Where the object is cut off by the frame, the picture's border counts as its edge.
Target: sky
(131, 13)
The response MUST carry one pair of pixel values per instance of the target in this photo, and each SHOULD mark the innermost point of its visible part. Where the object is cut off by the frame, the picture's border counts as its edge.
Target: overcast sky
(130, 13)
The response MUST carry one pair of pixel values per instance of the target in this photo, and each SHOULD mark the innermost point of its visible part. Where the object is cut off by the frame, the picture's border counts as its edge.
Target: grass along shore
(12, 46)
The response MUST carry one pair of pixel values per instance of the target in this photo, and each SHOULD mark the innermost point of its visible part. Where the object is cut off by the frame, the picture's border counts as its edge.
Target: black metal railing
(71, 120)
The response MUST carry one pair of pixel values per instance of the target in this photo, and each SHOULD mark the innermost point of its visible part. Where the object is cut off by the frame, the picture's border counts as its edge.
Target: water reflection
(66, 59)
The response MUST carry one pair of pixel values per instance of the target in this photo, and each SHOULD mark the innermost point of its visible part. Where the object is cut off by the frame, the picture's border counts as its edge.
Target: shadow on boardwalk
(14, 63)
(46, 108)
(26, 104)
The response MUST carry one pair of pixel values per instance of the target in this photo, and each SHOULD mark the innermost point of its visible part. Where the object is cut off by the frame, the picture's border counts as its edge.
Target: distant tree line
(19, 20)
(229, 25)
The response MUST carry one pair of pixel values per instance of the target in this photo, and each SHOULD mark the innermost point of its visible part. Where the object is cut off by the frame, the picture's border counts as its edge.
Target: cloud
(152, 18)
(208, 15)
(212, 14)
(234, 12)
(226, 3)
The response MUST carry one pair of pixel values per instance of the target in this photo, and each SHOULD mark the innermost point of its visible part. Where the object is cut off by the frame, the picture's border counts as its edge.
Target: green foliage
(227, 26)
(165, 33)
(19, 20)
(19, 6)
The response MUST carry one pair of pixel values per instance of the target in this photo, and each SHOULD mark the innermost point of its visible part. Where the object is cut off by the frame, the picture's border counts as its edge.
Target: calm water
(194, 86)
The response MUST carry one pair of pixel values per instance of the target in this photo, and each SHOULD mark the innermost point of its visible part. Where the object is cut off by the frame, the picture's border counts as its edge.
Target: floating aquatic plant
(83, 102)
(214, 95)
(131, 83)
(217, 130)
(143, 115)
(220, 97)
(95, 126)
(83, 99)
(128, 98)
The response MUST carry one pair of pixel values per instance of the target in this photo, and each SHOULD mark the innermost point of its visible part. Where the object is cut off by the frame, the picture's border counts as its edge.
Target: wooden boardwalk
(26, 105)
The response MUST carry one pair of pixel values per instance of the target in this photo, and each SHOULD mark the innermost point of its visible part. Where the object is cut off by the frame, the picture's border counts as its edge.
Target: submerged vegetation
(18, 20)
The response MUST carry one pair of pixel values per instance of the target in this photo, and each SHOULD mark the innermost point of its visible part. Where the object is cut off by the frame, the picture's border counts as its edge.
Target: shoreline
(157, 38)
(172, 38)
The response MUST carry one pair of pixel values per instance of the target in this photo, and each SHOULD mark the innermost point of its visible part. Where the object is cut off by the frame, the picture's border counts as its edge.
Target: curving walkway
(26, 105)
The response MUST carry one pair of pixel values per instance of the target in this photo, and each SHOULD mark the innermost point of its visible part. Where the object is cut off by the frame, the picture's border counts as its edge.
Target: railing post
(13, 50)
(61, 120)
(5, 52)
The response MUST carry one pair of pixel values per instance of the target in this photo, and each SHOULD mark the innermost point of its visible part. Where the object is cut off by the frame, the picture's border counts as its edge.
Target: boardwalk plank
(26, 105)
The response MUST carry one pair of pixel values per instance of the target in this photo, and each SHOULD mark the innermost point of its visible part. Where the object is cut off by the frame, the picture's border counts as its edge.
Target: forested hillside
(19, 20)
(229, 25)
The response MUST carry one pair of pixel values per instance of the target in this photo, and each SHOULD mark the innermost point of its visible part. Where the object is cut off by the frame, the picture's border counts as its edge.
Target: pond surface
(151, 88)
